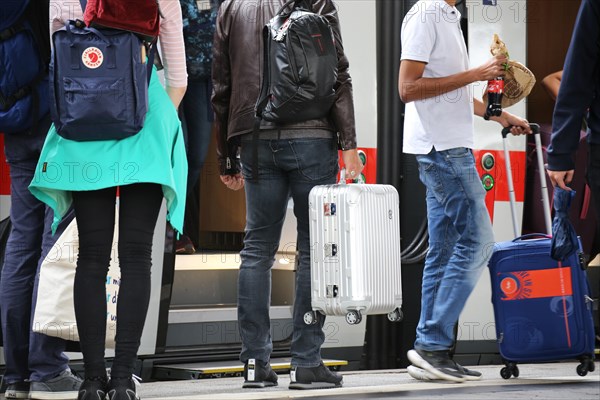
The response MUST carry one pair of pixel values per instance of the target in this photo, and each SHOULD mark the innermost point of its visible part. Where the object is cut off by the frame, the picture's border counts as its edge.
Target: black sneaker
(437, 363)
(319, 377)
(64, 387)
(17, 390)
(258, 374)
(122, 389)
(93, 388)
(184, 245)
(469, 374)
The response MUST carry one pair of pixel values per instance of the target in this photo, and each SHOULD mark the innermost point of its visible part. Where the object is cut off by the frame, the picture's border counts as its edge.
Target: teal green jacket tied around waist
(155, 155)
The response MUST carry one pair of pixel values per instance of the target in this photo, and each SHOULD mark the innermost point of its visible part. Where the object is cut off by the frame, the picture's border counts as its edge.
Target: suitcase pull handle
(532, 235)
(511, 189)
(534, 127)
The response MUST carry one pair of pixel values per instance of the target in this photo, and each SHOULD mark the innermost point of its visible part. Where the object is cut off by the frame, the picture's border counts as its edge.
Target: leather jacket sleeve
(342, 112)
(227, 155)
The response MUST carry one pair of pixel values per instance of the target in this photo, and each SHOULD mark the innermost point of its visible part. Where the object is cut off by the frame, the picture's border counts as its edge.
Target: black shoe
(122, 389)
(184, 245)
(319, 377)
(258, 374)
(93, 388)
(17, 390)
(437, 363)
(468, 374)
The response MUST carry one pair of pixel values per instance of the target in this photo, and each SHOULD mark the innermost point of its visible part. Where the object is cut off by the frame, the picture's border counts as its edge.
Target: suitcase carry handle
(532, 235)
(342, 181)
(511, 188)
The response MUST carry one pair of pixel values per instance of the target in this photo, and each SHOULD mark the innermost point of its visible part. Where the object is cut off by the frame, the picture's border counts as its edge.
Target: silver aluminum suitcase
(355, 251)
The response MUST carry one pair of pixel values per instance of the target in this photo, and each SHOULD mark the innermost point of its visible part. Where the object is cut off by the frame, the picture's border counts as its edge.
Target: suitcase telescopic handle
(534, 127)
(511, 188)
(531, 236)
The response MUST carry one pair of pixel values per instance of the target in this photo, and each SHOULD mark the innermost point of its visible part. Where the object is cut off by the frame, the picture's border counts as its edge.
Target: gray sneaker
(17, 390)
(63, 387)
(437, 363)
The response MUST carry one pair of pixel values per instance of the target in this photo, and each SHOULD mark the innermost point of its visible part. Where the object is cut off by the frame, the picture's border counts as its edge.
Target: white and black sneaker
(437, 363)
(123, 388)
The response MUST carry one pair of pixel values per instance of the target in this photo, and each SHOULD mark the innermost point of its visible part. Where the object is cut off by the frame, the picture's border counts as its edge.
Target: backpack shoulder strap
(293, 3)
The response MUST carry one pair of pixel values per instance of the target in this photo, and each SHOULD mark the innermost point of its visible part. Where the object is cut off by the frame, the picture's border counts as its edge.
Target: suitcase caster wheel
(582, 369)
(515, 371)
(353, 317)
(395, 315)
(509, 370)
(591, 366)
(310, 318)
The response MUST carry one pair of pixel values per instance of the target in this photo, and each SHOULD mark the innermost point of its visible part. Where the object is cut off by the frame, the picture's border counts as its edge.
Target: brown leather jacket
(237, 71)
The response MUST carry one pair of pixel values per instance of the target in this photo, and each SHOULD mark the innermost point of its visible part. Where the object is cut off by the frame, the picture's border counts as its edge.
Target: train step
(219, 369)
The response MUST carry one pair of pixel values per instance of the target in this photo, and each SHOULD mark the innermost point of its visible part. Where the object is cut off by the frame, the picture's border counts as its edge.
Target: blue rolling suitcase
(542, 307)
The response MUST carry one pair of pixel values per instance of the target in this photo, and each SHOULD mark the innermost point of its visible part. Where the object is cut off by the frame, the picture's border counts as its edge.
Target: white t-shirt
(431, 34)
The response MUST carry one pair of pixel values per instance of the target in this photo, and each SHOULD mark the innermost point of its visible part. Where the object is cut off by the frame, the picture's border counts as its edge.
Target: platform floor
(536, 381)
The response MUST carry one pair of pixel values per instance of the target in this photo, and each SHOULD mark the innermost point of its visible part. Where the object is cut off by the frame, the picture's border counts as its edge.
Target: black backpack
(300, 66)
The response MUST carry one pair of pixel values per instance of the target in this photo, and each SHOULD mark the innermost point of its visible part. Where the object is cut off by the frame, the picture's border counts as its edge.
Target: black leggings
(139, 205)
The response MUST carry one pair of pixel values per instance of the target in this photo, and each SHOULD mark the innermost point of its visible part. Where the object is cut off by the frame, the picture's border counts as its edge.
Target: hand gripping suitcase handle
(342, 181)
(534, 127)
(511, 189)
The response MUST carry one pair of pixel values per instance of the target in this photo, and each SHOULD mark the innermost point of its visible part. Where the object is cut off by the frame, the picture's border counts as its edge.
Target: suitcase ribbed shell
(355, 249)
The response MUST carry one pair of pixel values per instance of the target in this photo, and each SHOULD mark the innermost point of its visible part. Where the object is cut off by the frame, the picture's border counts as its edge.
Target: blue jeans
(286, 167)
(28, 356)
(196, 120)
(460, 242)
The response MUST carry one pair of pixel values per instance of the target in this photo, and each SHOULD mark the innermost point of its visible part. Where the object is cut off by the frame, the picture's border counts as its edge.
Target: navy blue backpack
(98, 82)
(24, 53)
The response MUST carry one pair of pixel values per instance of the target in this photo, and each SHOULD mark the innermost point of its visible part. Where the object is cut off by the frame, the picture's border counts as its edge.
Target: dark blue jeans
(28, 356)
(285, 167)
